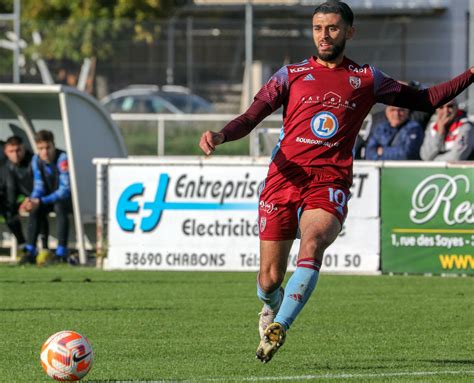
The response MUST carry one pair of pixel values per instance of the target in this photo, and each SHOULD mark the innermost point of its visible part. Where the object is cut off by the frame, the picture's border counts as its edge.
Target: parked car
(153, 99)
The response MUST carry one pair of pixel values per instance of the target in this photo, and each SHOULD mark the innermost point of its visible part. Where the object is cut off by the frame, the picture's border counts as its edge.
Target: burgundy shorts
(284, 198)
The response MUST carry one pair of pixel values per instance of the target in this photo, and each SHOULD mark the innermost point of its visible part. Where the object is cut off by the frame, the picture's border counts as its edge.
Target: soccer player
(325, 100)
(51, 191)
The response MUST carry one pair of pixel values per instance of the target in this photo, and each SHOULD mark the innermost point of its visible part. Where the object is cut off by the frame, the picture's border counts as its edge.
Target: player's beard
(337, 49)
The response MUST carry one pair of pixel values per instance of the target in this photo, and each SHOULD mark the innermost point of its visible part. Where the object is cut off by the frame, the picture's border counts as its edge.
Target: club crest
(355, 82)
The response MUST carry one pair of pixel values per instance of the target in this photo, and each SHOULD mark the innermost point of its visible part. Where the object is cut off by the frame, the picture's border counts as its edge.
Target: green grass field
(202, 327)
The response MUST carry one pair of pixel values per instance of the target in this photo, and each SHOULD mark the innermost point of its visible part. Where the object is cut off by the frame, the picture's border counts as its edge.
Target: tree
(76, 29)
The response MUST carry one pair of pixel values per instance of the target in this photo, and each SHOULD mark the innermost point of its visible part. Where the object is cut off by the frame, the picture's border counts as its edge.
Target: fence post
(101, 183)
(161, 136)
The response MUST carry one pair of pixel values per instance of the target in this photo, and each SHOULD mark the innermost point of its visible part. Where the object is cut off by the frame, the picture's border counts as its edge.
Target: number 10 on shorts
(338, 197)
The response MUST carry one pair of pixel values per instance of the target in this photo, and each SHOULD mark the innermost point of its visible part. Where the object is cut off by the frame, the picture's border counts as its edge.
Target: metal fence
(206, 52)
(178, 134)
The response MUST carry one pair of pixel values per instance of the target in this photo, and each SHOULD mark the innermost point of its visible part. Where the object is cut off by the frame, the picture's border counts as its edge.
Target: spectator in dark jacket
(3, 158)
(16, 184)
(399, 138)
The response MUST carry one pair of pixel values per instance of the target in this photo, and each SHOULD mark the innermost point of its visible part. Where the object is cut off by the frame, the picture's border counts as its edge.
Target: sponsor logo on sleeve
(63, 166)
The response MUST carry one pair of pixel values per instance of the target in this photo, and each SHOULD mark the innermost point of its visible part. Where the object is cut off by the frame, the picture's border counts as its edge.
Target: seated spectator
(399, 138)
(379, 116)
(51, 191)
(450, 137)
(16, 183)
(2, 154)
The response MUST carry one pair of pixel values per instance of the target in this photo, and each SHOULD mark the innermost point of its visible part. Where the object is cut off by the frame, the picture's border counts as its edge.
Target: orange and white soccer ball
(66, 356)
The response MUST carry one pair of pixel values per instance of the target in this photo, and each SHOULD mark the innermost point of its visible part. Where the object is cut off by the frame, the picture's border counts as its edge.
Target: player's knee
(270, 281)
(314, 247)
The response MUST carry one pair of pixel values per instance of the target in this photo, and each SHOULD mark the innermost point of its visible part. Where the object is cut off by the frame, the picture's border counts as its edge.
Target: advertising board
(189, 217)
(427, 220)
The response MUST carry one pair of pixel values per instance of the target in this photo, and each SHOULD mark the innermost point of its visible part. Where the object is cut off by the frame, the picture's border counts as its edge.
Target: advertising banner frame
(430, 230)
(343, 257)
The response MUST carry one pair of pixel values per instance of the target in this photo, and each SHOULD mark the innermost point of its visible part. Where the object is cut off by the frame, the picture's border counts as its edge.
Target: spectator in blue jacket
(398, 138)
(51, 192)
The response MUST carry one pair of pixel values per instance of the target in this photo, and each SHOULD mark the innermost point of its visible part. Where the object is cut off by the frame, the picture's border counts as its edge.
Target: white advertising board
(190, 217)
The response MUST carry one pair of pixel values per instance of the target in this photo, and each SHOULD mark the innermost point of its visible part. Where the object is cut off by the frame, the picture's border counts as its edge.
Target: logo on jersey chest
(358, 69)
(324, 125)
(329, 100)
(355, 82)
(300, 69)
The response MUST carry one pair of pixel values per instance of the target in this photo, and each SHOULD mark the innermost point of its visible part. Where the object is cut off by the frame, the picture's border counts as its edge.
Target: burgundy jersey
(323, 111)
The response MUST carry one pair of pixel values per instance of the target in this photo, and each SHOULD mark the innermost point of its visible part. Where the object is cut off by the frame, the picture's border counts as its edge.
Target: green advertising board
(427, 220)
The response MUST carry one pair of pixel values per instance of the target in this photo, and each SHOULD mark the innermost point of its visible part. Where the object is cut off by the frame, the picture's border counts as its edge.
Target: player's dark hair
(338, 7)
(14, 140)
(44, 136)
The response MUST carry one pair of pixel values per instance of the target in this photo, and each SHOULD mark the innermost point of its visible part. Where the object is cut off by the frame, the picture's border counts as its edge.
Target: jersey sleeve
(391, 92)
(385, 87)
(275, 91)
(64, 189)
(38, 184)
(242, 125)
(269, 98)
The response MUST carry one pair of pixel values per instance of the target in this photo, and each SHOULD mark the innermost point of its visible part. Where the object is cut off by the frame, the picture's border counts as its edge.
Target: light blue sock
(297, 291)
(272, 299)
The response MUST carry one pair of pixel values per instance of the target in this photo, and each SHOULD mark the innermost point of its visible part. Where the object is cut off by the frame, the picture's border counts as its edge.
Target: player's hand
(24, 206)
(472, 69)
(29, 204)
(209, 141)
(34, 203)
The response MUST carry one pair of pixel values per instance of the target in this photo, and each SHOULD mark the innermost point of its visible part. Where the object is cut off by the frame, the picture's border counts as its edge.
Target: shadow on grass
(442, 362)
(352, 367)
(141, 380)
(179, 281)
(85, 309)
(389, 364)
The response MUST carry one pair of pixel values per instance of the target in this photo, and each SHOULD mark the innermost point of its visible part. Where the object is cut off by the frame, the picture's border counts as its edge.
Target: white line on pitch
(338, 376)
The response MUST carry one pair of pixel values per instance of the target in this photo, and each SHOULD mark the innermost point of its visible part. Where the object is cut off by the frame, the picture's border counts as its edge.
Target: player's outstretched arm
(237, 128)
(209, 141)
(391, 92)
